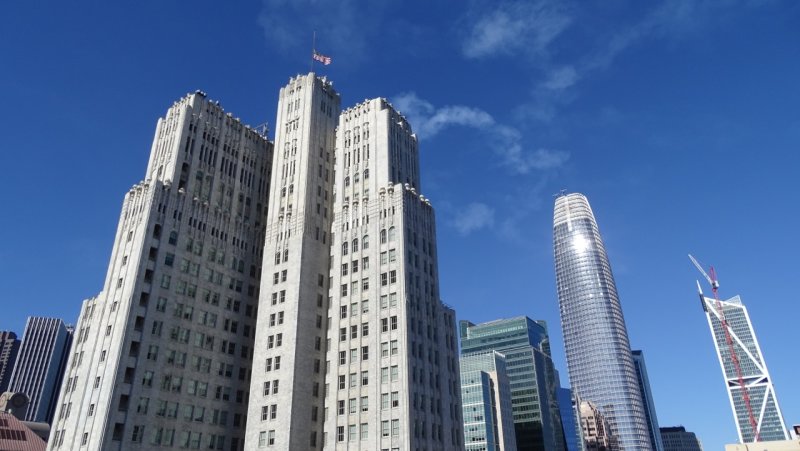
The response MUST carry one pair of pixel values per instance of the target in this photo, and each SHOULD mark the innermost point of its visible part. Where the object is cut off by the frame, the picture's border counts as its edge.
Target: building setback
(486, 402)
(532, 376)
(9, 346)
(647, 399)
(393, 346)
(599, 359)
(162, 355)
(40, 366)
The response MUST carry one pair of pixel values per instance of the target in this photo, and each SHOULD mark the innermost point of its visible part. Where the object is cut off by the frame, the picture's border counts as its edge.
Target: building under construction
(755, 406)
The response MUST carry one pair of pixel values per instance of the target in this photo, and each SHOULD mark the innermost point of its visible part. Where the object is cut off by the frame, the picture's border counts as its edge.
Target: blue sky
(678, 119)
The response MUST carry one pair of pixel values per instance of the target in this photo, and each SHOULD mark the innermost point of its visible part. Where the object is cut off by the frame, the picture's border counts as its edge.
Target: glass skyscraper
(486, 402)
(763, 402)
(599, 359)
(531, 374)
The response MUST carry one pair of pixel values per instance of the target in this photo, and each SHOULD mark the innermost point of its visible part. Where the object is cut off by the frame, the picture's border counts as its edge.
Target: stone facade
(162, 355)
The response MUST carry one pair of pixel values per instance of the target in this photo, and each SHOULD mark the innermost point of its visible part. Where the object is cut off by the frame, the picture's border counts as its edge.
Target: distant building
(596, 342)
(676, 438)
(762, 407)
(9, 346)
(596, 433)
(486, 403)
(570, 419)
(525, 344)
(40, 365)
(647, 399)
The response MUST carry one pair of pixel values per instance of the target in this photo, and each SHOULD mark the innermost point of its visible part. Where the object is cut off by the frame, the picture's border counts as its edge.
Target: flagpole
(313, 49)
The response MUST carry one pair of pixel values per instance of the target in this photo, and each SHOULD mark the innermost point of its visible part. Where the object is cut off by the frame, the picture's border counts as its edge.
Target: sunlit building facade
(599, 359)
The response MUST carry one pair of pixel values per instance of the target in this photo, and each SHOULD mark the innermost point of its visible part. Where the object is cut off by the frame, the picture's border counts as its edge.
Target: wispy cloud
(473, 217)
(505, 141)
(512, 27)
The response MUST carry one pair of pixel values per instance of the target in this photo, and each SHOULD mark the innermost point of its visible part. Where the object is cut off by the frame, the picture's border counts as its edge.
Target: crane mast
(714, 282)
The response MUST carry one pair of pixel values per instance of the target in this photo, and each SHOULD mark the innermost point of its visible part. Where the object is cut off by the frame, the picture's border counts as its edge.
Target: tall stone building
(392, 379)
(287, 387)
(161, 357)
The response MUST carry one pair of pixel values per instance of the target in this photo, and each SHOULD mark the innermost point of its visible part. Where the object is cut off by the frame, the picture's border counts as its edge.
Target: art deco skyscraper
(40, 365)
(599, 359)
(287, 385)
(161, 357)
(392, 378)
(763, 401)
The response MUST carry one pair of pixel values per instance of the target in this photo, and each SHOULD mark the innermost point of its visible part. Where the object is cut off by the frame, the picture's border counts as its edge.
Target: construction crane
(714, 282)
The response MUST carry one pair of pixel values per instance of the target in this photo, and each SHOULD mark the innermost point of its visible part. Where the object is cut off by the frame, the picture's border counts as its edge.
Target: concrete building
(761, 404)
(486, 403)
(532, 376)
(9, 346)
(286, 411)
(647, 398)
(392, 356)
(594, 426)
(774, 445)
(40, 366)
(599, 358)
(162, 355)
(676, 438)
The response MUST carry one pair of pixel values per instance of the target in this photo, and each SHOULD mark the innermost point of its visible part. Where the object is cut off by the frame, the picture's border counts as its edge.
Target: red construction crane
(712, 280)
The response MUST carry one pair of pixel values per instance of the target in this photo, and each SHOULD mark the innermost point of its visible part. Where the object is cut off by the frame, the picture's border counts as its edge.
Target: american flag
(321, 58)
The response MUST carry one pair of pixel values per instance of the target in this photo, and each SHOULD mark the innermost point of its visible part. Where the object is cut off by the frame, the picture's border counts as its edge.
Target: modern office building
(599, 358)
(597, 435)
(570, 419)
(531, 373)
(762, 405)
(162, 355)
(676, 438)
(647, 399)
(486, 403)
(40, 366)
(9, 346)
(286, 411)
(392, 354)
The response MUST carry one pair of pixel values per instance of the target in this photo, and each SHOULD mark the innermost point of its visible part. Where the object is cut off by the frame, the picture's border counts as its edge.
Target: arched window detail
(344, 248)
(365, 242)
(383, 236)
(391, 233)
(366, 174)
(347, 181)
(355, 244)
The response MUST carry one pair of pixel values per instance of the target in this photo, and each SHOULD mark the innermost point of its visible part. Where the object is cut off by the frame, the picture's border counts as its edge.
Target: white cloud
(505, 141)
(474, 216)
(515, 26)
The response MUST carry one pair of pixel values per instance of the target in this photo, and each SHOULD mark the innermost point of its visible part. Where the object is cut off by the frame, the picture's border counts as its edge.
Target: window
(344, 269)
(395, 399)
(393, 322)
(353, 405)
(391, 233)
(365, 263)
(365, 242)
(344, 248)
(342, 357)
(352, 433)
(339, 433)
(383, 236)
(392, 276)
(364, 352)
(384, 279)
(365, 378)
(393, 346)
(384, 428)
(343, 334)
(364, 284)
(344, 289)
(395, 426)
(355, 244)
(353, 332)
(364, 329)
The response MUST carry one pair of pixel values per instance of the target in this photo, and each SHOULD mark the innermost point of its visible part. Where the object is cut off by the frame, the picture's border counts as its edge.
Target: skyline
(84, 96)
